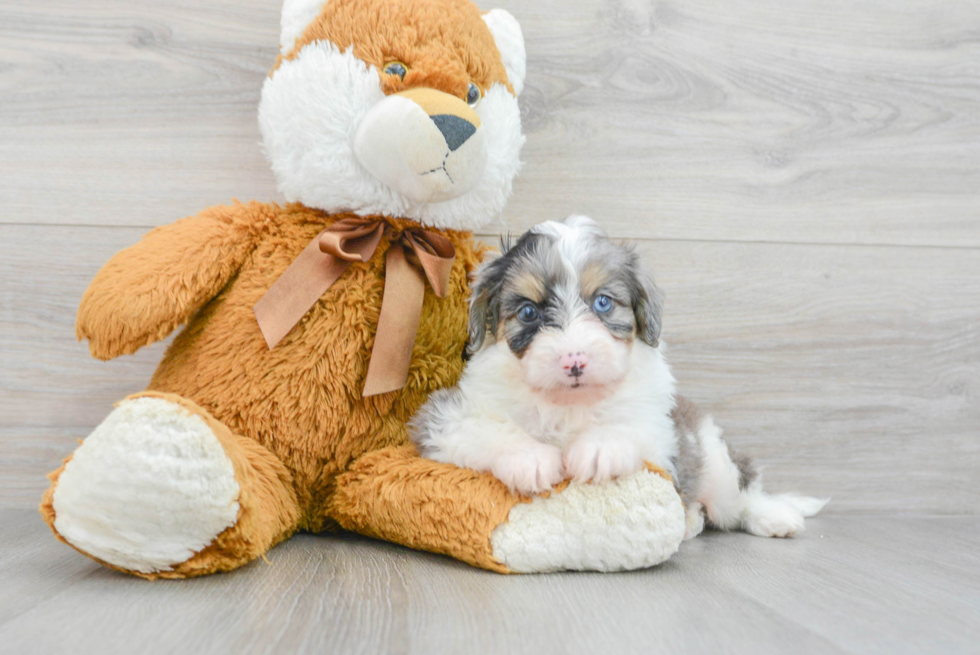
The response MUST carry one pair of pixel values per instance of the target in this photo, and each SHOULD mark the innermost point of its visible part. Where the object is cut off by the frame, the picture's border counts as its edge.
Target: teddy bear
(313, 330)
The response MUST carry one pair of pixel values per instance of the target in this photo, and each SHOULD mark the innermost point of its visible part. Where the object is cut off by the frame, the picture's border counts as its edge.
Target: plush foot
(148, 489)
(629, 523)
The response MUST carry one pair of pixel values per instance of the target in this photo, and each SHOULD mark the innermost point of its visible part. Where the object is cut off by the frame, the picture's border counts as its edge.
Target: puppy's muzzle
(423, 143)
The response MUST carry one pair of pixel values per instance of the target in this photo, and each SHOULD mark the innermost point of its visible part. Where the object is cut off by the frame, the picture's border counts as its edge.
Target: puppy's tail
(730, 489)
(778, 515)
(805, 505)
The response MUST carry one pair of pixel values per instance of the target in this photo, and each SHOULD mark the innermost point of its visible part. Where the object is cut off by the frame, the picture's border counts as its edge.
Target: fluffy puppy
(568, 380)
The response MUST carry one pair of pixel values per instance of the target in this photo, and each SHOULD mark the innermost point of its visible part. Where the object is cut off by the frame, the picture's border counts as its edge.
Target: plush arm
(148, 289)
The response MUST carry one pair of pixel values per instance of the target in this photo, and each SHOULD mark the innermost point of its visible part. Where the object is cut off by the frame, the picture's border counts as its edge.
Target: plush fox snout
(424, 143)
(455, 119)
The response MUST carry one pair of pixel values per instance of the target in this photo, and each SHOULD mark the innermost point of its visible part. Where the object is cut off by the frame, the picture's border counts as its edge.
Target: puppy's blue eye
(528, 314)
(602, 304)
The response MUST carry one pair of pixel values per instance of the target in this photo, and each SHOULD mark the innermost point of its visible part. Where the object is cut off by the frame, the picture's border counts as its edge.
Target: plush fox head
(396, 107)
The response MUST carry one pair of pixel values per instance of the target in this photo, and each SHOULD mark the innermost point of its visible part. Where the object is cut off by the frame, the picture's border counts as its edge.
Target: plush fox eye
(528, 313)
(602, 304)
(396, 68)
(473, 95)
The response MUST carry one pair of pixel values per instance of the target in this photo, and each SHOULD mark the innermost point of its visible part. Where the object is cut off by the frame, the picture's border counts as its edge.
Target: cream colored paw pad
(630, 523)
(149, 488)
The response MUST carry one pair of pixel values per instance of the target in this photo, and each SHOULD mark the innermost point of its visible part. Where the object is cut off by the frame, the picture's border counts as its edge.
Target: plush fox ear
(510, 42)
(296, 17)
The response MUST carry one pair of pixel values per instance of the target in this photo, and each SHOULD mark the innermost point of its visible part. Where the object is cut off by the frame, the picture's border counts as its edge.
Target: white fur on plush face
(309, 115)
(296, 17)
(149, 488)
(509, 38)
(400, 145)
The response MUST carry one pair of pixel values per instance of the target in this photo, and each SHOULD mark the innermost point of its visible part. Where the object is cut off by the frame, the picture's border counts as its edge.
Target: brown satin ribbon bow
(327, 257)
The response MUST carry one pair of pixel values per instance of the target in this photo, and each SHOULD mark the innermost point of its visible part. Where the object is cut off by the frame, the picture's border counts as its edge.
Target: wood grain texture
(131, 113)
(848, 585)
(849, 372)
(803, 177)
(806, 122)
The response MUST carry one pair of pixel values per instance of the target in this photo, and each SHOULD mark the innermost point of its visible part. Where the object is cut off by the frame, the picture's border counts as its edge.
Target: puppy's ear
(648, 306)
(488, 280)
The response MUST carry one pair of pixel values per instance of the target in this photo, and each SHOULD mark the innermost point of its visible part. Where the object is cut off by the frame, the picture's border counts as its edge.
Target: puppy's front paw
(530, 469)
(601, 460)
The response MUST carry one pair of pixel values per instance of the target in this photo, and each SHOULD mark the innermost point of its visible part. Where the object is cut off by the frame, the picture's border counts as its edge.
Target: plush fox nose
(456, 130)
(574, 363)
(455, 119)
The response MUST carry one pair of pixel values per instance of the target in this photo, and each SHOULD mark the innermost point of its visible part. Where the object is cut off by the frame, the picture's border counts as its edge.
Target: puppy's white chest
(559, 426)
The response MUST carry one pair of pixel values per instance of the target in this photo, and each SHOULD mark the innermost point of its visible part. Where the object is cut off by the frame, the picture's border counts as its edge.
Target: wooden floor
(803, 178)
(848, 586)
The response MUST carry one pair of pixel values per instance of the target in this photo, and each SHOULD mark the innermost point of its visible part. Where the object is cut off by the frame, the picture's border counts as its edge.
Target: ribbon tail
(401, 310)
(296, 290)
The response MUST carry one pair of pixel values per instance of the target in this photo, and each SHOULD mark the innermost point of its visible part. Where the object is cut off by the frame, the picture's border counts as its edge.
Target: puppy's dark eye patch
(525, 319)
(520, 337)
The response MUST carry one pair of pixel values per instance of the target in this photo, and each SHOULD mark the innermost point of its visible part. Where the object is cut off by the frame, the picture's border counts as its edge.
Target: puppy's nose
(456, 130)
(574, 363)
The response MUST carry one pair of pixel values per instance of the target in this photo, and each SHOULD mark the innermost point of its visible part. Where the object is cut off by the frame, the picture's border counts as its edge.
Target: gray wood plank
(28, 455)
(131, 113)
(43, 276)
(810, 122)
(848, 372)
(849, 584)
(807, 121)
(34, 565)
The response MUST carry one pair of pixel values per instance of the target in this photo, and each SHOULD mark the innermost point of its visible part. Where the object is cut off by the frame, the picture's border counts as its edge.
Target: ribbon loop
(352, 240)
(326, 258)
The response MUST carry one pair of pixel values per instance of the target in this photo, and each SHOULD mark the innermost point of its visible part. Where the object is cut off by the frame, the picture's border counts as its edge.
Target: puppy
(567, 379)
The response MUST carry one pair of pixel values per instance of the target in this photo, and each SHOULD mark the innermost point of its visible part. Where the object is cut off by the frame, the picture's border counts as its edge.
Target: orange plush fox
(314, 330)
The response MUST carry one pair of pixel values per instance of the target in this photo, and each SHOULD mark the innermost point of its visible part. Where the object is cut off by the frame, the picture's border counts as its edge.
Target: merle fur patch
(561, 274)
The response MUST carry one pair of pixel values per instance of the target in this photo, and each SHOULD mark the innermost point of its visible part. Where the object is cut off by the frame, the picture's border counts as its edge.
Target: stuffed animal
(314, 330)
